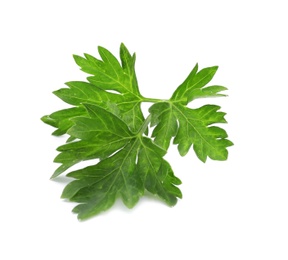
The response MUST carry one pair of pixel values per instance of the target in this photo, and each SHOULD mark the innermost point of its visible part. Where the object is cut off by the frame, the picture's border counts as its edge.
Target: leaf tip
(101, 49)
(52, 176)
(203, 159)
(76, 57)
(230, 143)
(44, 118)
(57, 172)
(78, 60)
(122, 46)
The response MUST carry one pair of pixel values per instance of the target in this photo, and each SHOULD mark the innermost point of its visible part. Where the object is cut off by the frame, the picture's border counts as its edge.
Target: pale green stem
(153, 100)
(144, 126)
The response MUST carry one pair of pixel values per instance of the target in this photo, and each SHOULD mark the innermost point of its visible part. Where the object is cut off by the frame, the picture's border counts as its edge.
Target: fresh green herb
(106, 122)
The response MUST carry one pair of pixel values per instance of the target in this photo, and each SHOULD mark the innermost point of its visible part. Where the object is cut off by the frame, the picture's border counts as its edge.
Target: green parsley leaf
(193, 129)
(194, 86)
(98, 186)
(61, 119)
(98, 136)
(192, 126)
(106, 123)
(108, 75)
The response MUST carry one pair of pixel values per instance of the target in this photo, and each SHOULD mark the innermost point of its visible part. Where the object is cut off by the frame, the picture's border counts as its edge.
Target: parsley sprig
(106, 122)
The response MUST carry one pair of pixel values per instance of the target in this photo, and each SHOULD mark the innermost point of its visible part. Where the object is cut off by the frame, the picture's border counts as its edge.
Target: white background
(236, 209)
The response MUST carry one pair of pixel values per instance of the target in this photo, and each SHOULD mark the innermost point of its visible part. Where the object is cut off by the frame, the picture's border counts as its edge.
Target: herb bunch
(106, 122)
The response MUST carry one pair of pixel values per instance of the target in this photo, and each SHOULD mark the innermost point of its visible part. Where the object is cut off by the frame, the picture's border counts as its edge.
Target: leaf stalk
(144, 126)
